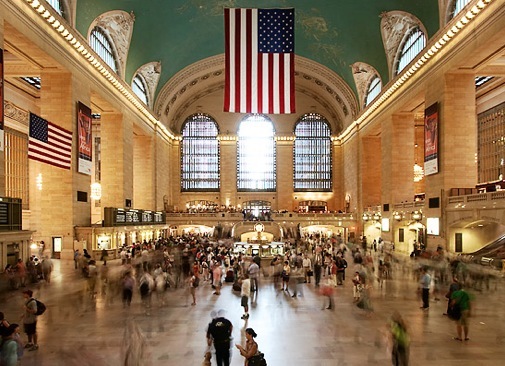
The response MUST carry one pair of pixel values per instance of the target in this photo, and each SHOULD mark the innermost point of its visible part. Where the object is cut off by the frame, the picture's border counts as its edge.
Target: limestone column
(143, 172)
(371, 171)
(163, 193)
(228, 146)
(397, 140)
(53, 202)
(285, 191)
(117, 160)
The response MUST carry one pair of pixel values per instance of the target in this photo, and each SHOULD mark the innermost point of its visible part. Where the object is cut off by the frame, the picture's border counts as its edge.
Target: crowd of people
(150, 269)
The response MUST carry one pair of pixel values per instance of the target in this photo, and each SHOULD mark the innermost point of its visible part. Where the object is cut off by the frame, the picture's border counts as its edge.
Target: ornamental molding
(16, 113)
(395, 26)
(363, 74)
(211, 71)
(118, 25)
(151, 73)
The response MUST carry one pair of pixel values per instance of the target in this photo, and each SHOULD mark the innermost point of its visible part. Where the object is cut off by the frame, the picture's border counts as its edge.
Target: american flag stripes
(259, 61)
(49, 143)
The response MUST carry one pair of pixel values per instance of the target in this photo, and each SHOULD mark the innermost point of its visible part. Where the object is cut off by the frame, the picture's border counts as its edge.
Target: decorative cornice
(15, 113)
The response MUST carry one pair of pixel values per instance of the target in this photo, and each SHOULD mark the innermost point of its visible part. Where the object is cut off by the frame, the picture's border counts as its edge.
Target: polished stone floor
(77, 330)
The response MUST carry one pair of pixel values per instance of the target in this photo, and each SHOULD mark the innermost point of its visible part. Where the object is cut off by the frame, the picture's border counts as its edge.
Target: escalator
(491, 254)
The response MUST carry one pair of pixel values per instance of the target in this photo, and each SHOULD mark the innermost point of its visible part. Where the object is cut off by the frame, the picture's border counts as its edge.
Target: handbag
(310, 273)
(454, 312)
(257, 360)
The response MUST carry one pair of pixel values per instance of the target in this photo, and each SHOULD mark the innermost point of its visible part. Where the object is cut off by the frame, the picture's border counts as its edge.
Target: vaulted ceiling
(179, 33)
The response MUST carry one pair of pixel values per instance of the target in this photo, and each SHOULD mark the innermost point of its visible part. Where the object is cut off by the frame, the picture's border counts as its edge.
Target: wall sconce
(366, 217)
(38, 181)
(416, 215)
(96, 191)
(376, 216)
(397, 216)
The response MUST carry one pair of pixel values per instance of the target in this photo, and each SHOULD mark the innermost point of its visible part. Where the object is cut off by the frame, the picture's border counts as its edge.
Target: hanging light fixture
(96, 191)
(418, 170)
(418, 173)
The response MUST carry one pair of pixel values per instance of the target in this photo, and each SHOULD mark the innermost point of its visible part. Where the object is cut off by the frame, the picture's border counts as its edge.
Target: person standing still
(30, 320)
(253, 272)
(219, 334)
(245, 293)
(425, 288)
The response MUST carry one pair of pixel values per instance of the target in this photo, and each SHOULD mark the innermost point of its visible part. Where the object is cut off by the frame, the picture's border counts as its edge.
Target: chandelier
(418, 173)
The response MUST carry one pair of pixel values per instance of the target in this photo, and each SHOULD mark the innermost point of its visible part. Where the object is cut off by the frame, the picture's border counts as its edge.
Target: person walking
(219, 334)
(400, 340)
(253, 272)
(461, 299)
(286, 270)
(128, 284)
(30, 320)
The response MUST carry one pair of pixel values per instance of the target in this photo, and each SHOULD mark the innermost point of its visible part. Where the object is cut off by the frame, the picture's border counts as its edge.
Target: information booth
(263, 249)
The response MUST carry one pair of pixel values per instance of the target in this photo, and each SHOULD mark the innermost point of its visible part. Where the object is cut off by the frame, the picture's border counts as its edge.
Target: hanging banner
(431, 140)
(84, 122)
(1, 100)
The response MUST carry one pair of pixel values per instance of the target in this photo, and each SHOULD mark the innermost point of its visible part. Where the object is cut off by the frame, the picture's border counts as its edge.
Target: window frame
(144, 97)
(99, 36)
(244, 151)
(321, 180)
(189, 162)
(372, 88)
(404, 55)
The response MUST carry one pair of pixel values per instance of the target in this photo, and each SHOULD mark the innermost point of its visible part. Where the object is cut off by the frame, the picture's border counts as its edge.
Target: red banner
(431, 140)
(84, 123)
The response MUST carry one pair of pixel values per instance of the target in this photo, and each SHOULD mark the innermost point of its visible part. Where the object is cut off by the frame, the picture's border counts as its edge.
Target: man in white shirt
(245, 293)
(307, 266)
(253, 272)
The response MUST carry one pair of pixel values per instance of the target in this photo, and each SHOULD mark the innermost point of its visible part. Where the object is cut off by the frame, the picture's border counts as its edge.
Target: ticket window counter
(263, 250)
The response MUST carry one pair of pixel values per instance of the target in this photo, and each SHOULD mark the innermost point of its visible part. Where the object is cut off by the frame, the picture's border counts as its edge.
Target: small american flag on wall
(49, 143)
(259, 61)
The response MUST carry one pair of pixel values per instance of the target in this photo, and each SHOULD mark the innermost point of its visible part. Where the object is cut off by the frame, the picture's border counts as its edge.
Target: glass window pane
(373, 90)
(139, 88)
(56, 4)
(200, 154)
(414, 43)
(256, 165)
(103, 47)
(312, 154)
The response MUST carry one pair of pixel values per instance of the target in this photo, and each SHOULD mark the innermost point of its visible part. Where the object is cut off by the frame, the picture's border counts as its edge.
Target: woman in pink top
(217, 274)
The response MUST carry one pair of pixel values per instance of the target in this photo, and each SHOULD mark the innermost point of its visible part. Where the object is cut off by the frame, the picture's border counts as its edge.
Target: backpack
(196, 281)
(41, 308)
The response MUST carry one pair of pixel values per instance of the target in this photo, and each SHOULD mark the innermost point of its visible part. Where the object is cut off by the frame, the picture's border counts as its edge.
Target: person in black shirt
(219, 333)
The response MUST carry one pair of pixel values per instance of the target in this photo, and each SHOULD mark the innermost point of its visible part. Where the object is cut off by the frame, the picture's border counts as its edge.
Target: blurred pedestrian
(400, 340)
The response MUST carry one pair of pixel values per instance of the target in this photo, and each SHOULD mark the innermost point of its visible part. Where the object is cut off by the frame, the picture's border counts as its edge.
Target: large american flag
(49, 143)
(259, 61)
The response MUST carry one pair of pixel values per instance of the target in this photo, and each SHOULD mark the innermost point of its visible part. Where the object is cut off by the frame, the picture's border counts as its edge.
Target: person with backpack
(30, 320)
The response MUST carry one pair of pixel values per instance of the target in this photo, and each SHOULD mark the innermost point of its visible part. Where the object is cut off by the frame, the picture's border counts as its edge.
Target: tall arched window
(200, 154)
(56, 5)
(256, 163)
(139, 87)
(374, 88)
(414, 42)
(312, 154)
(457, 6)
(101, 45)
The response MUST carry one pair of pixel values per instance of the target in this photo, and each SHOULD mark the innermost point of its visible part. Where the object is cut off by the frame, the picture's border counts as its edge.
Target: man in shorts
(462, 299)
(245, 293)
(30, 320)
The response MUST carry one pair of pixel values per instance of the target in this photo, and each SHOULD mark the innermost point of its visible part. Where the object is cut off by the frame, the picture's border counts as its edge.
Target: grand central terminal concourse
(281, 182)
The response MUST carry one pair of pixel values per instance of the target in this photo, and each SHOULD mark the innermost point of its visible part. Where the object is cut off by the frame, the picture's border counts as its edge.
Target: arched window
(101, 45)
(256, 162)
(57, 5)
(413, 44)
(457, 6)
(139, 87)
(374, 88)
(312, 154)
(200, 154)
